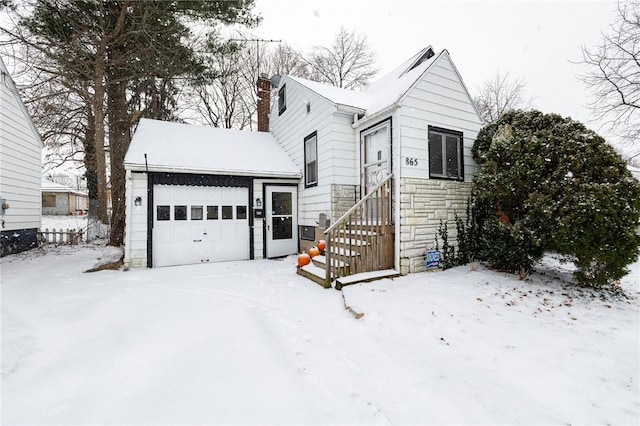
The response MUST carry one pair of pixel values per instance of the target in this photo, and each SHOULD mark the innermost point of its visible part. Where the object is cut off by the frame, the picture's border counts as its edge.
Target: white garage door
(195, 224)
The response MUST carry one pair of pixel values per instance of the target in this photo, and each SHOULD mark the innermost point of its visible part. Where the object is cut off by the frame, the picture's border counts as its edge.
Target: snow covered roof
(382, 93)
(177, 147)
(48, 186)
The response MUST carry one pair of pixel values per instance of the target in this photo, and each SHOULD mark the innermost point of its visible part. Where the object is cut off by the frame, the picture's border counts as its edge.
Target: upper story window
(282, 99)
(311, 160)
(445, 154)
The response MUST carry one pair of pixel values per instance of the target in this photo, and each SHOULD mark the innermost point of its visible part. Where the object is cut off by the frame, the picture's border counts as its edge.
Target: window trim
(282, 99)
(308, 184)
(460, 151)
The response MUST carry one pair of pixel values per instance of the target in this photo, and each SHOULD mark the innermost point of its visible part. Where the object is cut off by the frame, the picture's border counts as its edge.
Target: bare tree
(499, 95)
(614, 76)
(348, 63)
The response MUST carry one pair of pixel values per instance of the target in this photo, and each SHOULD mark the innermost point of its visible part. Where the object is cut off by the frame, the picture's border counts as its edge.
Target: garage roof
(185, 148)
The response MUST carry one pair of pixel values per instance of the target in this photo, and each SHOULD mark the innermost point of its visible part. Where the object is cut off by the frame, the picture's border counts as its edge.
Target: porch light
(258, 202)
(138, 202)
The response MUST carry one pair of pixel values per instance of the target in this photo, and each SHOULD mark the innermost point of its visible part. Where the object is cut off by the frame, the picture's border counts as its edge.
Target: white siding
(336, 146)
(135, 254)
(438, 99)
(20, 160)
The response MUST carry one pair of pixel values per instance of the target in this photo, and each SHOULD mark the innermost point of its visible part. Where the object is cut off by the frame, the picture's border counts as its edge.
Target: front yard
(253, 343)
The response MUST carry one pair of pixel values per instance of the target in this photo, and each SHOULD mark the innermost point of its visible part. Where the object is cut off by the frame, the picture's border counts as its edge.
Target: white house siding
(423, 204)
(20, 168)
(135, 248)
(337, 162)
(438, 99)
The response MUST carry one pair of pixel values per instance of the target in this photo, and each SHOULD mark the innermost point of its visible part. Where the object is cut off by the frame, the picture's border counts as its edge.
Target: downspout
(127, 222)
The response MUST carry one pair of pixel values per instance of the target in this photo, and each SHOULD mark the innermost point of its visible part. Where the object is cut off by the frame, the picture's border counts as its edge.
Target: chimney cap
(264, 76)
(275, 81)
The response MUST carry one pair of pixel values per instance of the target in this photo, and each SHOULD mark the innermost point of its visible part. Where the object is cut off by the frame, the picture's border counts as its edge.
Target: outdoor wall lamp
(258, 202)
(138, 201)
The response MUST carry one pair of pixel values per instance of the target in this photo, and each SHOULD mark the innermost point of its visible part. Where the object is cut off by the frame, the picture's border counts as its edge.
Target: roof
(178, 147)
(48, 186)
(382, 93)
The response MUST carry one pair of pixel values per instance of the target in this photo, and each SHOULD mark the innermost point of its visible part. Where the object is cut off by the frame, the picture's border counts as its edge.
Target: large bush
(549, 183)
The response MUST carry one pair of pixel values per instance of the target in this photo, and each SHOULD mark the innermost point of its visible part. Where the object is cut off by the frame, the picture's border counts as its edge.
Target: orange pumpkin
(321, 245)
(314, 251)
(304, 259)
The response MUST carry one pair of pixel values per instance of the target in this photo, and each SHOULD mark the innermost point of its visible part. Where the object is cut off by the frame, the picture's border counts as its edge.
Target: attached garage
(199, 194)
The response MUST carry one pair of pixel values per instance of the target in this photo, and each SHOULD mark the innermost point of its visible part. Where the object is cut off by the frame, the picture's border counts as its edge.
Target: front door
(375, 156)
(281, 205)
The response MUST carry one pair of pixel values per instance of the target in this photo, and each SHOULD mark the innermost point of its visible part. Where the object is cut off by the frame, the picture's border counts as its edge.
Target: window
(445, 154)
(227, 212)
(48, 200)
(196, 212)
(212, 212)
(307, 233)
(163, 213)
(179, 212)
(282, 99)
(241, 212)
(311, 160)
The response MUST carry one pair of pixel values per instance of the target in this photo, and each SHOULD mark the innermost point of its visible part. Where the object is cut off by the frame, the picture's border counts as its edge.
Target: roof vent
(425, 56)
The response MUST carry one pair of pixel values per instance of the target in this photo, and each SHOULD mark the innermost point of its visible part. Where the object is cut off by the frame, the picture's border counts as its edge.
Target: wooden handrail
(362, 236)
(358, 204)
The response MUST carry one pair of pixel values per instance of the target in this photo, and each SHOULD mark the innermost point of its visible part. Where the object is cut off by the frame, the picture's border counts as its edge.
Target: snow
(49, 186)
(253, 343)
(177, 147)
(380, 94)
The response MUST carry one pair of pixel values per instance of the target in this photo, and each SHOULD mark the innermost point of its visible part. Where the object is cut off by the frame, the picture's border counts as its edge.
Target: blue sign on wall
(433, 259)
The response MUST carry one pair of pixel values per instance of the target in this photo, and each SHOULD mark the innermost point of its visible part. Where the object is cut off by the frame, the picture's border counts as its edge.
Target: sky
(539, 41)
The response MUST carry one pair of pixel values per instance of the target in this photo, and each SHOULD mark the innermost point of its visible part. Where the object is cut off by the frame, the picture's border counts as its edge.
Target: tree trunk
(119, 139)
(98, 115)
(90, 166)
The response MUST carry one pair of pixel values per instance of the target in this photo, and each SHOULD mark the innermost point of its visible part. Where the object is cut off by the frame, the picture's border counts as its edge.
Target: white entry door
(281, 220)
(196, 224)
(375, 156)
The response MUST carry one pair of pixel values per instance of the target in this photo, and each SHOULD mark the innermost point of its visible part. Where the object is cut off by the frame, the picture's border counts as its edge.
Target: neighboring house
(407, 137)
(58, 199)
(20, 170)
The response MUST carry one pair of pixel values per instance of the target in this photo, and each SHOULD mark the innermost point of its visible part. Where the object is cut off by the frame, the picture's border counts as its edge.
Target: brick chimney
(264, 102)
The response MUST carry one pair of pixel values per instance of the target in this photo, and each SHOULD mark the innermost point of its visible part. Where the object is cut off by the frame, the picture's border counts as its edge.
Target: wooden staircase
(359, 245)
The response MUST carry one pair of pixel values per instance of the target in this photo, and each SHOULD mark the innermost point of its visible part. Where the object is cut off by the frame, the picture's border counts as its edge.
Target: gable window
(445, 154)
(282, 99)
(311, 160)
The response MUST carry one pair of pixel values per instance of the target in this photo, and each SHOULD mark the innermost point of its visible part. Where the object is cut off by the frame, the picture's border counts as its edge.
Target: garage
(199, 224)
(198, 194)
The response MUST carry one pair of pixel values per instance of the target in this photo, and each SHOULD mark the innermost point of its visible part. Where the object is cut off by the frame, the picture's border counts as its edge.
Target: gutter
(385, 111)
(251, 173)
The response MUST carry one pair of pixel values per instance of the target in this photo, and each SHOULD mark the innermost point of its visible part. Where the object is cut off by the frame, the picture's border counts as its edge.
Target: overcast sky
(535, 40)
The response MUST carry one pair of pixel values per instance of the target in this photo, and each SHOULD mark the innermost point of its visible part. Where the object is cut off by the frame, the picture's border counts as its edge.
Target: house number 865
(409, 161)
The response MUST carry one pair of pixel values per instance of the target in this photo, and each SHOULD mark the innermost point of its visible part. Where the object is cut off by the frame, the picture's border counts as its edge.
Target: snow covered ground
(253, 343)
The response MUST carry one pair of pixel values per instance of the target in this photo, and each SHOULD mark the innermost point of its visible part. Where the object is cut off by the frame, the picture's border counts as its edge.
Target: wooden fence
(69, 236)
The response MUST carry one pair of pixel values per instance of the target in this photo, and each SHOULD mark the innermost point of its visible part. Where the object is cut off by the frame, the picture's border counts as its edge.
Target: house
(59, 199)
(415, 125)
(373, 171)
(20, 170)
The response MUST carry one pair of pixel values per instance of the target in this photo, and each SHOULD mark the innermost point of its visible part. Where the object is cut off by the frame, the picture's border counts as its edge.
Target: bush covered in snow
(547, 183)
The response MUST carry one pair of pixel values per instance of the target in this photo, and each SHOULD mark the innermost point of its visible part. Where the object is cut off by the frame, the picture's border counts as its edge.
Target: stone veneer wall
(423, 203)
(343, 197)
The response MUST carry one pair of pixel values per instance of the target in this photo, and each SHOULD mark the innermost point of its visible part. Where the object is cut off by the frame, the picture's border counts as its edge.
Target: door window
(212, 212)
(163, 213)
(196, 212)
(179, 212)
(227, 212)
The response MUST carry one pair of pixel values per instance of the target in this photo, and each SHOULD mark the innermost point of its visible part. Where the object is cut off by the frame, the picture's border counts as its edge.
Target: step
(320, 261)
(351, 242)
(364, 277)
(344, 252)
(314, 273)
(358, 232)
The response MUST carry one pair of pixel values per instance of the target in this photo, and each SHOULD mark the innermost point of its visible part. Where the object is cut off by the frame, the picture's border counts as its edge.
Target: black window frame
(460, 153)
(308, 184)
(282, 99)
